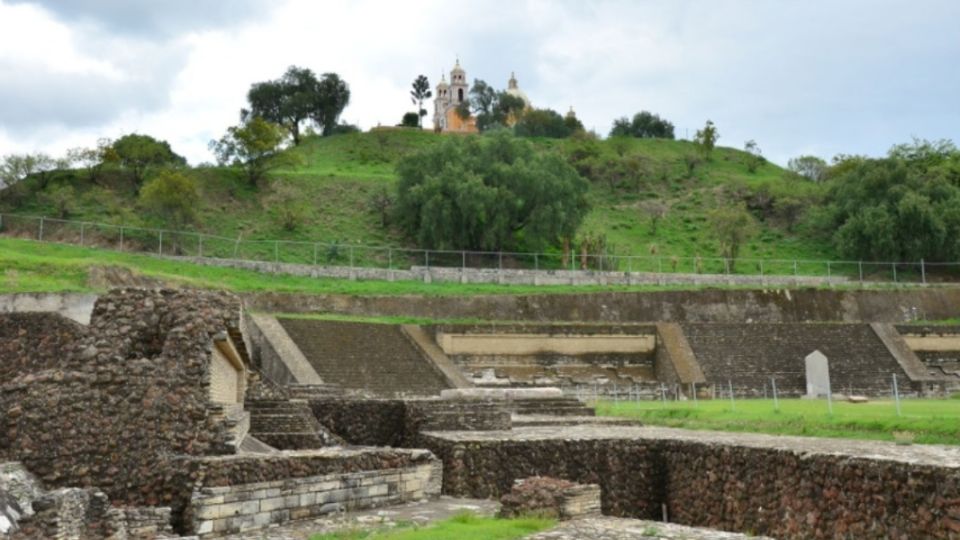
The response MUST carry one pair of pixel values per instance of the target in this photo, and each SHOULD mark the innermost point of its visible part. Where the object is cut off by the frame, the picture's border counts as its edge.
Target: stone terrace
(377, 358)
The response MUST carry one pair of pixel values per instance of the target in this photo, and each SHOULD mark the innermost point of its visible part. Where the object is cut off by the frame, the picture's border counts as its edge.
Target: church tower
(441, 103)
(459, 89)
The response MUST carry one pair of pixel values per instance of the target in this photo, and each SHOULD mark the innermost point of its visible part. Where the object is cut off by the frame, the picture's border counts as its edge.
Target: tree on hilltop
(137, 153)
(299, 97)
(172, 197)
(810, 167)
(644, 125)
(706, 138)
(420, 93)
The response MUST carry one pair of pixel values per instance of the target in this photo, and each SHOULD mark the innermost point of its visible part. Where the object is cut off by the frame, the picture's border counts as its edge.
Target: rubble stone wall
(395, 422)
(31, 342)
(127, 396)
(775, 492)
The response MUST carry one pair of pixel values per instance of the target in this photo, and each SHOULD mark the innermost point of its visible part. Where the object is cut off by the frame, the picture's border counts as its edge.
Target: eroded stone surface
(632, 529)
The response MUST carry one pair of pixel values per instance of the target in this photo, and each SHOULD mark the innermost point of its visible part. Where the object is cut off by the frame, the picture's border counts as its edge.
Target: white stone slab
(818, 374)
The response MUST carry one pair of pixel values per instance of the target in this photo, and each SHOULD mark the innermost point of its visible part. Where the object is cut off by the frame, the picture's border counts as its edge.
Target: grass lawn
(461, 527)
(931, 421)
(30, 266)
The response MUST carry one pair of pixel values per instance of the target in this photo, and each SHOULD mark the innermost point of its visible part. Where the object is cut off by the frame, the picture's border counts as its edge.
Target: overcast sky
(798, 76)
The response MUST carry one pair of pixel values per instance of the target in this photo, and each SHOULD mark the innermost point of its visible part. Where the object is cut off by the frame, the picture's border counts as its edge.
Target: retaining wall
(708, 305)
(784, 487)
(240, 493)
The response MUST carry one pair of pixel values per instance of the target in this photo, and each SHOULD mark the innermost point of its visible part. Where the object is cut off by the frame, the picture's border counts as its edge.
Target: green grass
(460, 527)
(30, 266)
(337, 175)
(930, 421)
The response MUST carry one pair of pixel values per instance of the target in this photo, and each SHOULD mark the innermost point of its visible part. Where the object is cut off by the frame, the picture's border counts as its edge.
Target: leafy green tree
(255, 146)
(574, 125)
(332, 98)
(706, 138)
(381, 202)
(420, 93)
(93, 160)
(172, 197)
(137, 153)
(15, 168)
(644, 125)
(410, 119)
(810, 167)
(491, 108)
(542, 123)
(62, 199)
(299, 97)
(731, 227)
(488, 193)
(897, 209)
(754, 156)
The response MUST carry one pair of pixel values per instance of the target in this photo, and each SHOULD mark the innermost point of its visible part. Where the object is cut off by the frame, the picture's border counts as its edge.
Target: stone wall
(706, 305)
(130, 394)
(784, 487)
(236, 493)
(32, 342)
(386, 422)
(748, 355)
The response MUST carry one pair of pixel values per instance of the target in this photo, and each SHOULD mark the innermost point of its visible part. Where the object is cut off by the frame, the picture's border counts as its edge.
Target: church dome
(443, 82)
(514, 90)
(457, 69)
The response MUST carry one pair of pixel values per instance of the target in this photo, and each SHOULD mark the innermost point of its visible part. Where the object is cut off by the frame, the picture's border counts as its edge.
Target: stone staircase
(558, 406)
(287, 425)
(378, 359)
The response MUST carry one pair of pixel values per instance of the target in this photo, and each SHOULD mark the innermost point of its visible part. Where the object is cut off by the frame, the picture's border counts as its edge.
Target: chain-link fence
(200, 245)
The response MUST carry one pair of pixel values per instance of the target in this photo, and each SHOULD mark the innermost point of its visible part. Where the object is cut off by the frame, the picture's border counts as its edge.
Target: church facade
(450, 96)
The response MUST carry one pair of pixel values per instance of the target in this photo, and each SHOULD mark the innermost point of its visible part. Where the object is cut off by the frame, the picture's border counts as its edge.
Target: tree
(410, 119)
(15, 168)
(62, 199)
(172, 197)
(655, 210)
(810, 167)
(706, 138)
(542, 123)
(332, 98)
(754, 155)
(731, 227)
(491, 108)
(296, 98)
(255, 146)
(380, 202)
(92, 160)
(138, 153)
(488, 193)
(645, 125)
(420, 93)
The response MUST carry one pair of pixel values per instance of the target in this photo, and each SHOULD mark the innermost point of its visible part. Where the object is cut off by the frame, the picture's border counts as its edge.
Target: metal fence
(164, 242)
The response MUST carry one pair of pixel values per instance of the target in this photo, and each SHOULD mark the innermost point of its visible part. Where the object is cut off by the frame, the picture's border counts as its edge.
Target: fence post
(894, 266)
(82, 224)
(463, 260)
(659, 265)
(314, 253)
(121, 238)
(201, 246)
(860, 264)
(730, 386)
(828, 269)
(161, 243)
(40, 234)
(795, 272)
(536, 261)
(761, 269)
(776, 401)
(390, 258)
(500, 260)
(726, 266)
(896, 395)
(923, 272)
(351, 256)
(276, 251)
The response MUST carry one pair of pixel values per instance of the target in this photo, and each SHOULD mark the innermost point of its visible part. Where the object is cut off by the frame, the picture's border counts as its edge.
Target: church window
(460, 94)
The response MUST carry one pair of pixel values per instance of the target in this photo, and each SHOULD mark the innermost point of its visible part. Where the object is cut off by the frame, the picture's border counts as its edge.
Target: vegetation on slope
(464, 526)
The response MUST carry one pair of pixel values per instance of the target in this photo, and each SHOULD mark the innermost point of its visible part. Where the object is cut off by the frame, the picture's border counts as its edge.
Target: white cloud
(854, 77)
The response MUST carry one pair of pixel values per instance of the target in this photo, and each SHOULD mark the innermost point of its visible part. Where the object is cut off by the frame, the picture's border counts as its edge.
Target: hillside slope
(335, 178)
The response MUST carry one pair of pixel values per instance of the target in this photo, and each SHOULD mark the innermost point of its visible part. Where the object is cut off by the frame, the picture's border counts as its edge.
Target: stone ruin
(164, 416)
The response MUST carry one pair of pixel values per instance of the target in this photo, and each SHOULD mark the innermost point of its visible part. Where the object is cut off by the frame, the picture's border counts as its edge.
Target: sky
(817, 77)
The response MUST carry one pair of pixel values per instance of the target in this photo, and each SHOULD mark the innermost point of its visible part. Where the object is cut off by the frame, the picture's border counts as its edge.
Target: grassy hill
(336, 176)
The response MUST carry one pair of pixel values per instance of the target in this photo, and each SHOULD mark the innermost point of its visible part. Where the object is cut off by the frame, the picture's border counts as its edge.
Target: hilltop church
(450, 96)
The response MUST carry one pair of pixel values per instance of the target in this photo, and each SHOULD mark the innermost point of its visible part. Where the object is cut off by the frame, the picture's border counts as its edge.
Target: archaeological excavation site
(162, 413)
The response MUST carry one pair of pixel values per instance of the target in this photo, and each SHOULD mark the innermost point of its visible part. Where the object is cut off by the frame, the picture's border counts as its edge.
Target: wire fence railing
(164, 242)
